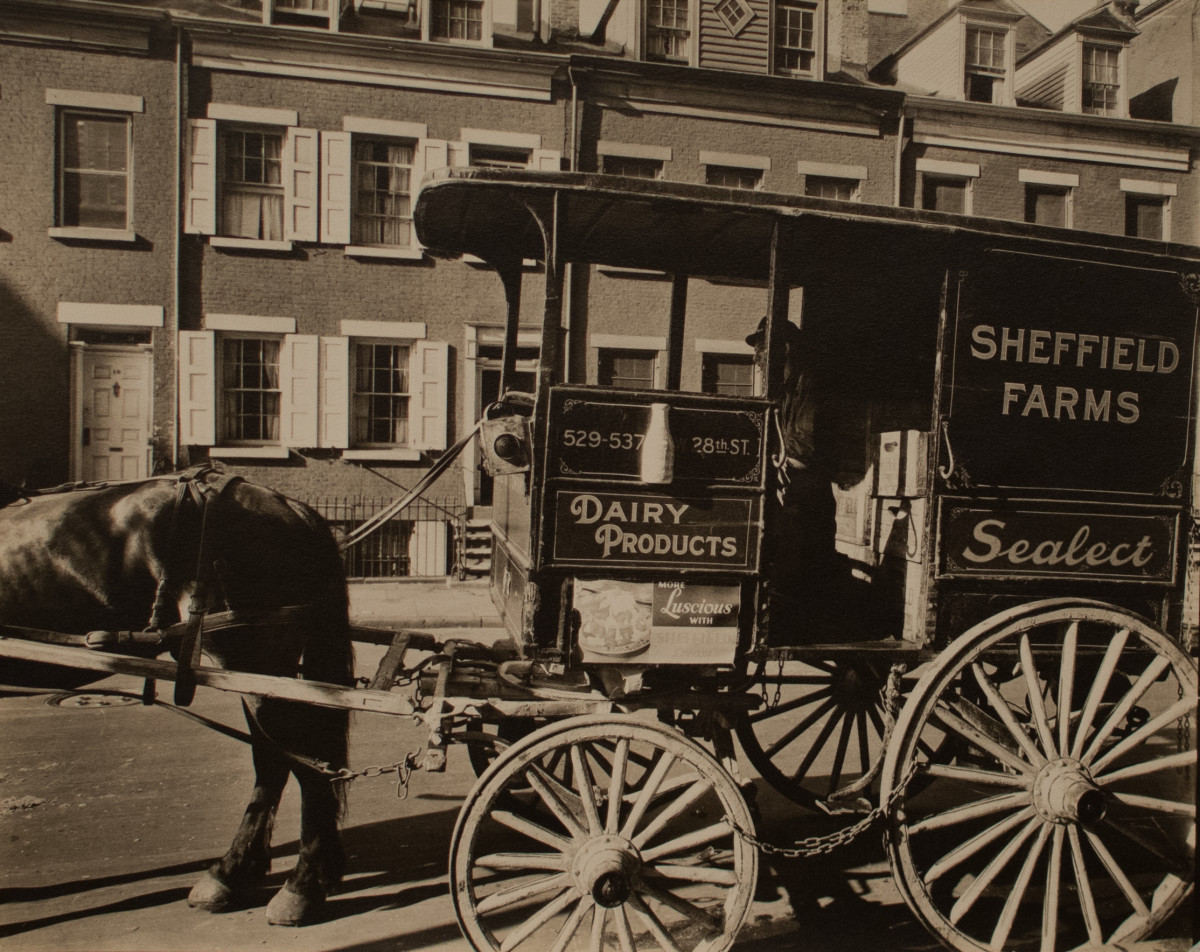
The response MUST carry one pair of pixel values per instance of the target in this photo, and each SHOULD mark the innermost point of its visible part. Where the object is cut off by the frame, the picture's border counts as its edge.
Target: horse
(156, 554)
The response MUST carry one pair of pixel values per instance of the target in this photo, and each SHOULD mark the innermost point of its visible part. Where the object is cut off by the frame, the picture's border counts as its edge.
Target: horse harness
(202, 486)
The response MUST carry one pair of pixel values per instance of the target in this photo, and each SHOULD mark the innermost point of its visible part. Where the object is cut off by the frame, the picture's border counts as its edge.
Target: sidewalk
(423, 603)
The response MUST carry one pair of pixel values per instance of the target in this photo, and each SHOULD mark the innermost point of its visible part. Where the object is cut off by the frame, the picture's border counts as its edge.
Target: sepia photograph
(599, 475)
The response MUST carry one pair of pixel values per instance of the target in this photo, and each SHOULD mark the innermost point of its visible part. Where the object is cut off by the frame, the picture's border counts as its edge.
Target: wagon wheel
(633, 850)
(821, 728)
(1062, 812)
(503, 733)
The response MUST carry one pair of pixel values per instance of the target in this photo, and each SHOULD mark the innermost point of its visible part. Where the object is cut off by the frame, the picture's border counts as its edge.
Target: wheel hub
(605, 868)
(1064, 792)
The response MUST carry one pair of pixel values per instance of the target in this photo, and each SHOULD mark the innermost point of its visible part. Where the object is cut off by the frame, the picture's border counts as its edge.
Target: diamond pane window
(734, 14)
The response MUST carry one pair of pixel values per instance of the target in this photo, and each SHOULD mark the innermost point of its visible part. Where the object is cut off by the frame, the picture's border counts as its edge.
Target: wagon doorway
(111, 403)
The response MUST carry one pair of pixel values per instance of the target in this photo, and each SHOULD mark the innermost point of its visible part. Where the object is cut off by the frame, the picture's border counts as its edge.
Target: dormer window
(797, 38)
(986, 64)
(667, 30)
(457, 20)
(319, 13)
(1101, 80)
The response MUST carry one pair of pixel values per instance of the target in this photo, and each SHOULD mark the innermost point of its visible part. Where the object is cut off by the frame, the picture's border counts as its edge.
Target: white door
(115, 414)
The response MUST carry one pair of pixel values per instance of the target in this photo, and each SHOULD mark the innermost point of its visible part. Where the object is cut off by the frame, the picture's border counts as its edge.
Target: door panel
(115, 414)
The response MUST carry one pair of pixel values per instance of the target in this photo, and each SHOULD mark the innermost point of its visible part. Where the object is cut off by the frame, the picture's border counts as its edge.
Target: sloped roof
(1099, 19)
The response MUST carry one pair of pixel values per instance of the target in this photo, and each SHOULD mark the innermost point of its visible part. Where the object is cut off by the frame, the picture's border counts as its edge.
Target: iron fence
(418, 542)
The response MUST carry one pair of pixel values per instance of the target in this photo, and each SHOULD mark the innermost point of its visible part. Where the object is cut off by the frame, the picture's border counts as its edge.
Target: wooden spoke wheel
(821, 727)
(631, 848)
(1056, 745)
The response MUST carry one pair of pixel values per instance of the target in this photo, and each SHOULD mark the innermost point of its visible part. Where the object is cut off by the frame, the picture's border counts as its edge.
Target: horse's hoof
(211, 894)
(287, 908)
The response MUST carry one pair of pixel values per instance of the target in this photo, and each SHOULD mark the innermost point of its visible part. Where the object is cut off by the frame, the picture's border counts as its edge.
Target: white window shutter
(336, 170)
(200, 206)
(458, 154)
(298, 387)
(547, 160)
(429, 374)
(335, 392)
(197, 388)
(300, 151)
(431, 154)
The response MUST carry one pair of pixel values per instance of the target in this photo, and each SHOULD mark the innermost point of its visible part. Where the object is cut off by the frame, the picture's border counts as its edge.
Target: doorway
(112, 403)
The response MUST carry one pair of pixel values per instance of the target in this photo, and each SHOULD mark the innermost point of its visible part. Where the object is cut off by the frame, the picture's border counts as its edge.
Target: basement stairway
(475, 544)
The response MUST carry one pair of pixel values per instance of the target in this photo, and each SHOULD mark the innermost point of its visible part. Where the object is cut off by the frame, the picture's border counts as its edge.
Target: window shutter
(429, 373)
(298, 387)
(200, 207)
(335, 392)
(547, 160)
(431, 154)
(336, 171)
(459, 154)
(300, 152)
(197, 388)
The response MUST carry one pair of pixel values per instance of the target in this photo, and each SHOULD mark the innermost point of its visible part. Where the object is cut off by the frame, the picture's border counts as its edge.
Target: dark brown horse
(130, 556)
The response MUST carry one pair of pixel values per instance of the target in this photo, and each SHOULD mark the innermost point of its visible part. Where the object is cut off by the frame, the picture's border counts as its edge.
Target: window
(730, 177)
(795, 38)
(499, 157)
(633, 369)
(728, 374)
(1048, 205)
(303, 6)
(250, 390)
(734, 14)
(1101, 81)
(825, 186)
(381, 394)
(985, 63)
(252, 184)
(1145, 216)
(667, 30)
(457, 20)
(383, 180)
(631, 167)
(944, 194)
(94, 170)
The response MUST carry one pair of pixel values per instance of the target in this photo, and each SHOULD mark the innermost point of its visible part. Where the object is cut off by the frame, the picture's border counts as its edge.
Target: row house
(212, 253)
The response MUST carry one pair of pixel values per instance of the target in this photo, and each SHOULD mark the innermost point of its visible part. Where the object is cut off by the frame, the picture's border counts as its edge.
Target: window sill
(383, 455)
(528, 263)
(249, 452)
(373, 251)
(250, 244)
(116, 235)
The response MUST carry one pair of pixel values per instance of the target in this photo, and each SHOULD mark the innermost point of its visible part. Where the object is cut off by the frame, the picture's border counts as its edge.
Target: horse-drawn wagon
(998, 652)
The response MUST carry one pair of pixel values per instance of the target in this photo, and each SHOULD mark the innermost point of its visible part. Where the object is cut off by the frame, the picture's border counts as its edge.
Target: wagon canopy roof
(499, 215)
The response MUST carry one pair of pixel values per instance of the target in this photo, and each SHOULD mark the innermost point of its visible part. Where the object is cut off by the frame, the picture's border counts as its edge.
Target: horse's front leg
(229, 882)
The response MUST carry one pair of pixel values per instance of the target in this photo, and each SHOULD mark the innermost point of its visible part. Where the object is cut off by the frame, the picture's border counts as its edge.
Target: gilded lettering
(984, 338)
(1128, 403)
(992, 542)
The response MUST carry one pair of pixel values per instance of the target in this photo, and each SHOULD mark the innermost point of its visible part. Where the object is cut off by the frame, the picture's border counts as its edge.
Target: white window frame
(834, 170)
(737, 161)
(428, 389)
(967, 172)
(1067, 181)
(818, 70)
(101, 105)
(486, 29)
(1122, 108)
(299, 168)
(693, 27)
(1149, 189)
(1002, 88)
(654, 347)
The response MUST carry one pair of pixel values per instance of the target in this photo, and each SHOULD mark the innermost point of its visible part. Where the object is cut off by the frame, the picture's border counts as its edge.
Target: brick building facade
(208, 250)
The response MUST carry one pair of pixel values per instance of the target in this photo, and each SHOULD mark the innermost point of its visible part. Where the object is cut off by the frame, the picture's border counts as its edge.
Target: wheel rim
(825, 732)
(1057, 803)
(631, 848)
